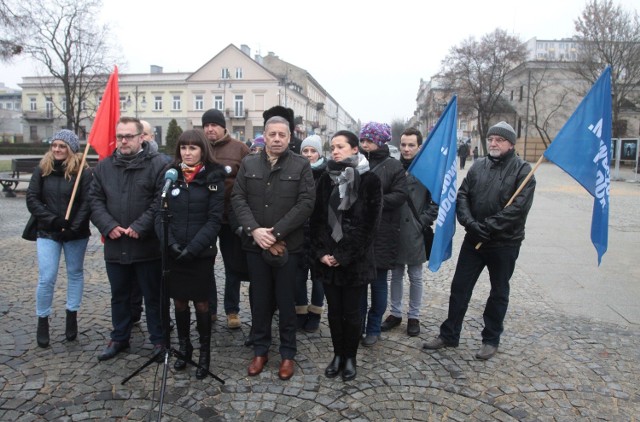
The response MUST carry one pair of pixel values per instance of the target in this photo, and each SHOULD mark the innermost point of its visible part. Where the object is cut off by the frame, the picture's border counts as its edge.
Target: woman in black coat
(343, 226)
(48, 198)
(195, 202)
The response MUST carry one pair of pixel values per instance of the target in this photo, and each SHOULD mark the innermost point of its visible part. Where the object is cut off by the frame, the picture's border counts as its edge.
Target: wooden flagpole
(522, 185)
(75, 186)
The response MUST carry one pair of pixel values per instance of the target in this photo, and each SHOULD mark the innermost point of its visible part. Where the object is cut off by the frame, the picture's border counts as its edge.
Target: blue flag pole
(582, 148)
(435, 167)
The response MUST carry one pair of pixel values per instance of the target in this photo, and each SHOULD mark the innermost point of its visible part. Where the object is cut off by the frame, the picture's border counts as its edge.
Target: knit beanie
(378, 133)
(504, 130)
(313, 141)
(283, 112)
(213, 116)
(68, 137)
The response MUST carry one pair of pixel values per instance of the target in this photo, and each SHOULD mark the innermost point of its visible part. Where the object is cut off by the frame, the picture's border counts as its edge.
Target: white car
(394, 151)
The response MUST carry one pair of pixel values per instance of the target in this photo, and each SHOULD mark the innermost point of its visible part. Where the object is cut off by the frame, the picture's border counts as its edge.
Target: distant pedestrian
(475, 153)
(463, 153)
(48, 197)
(493, 239)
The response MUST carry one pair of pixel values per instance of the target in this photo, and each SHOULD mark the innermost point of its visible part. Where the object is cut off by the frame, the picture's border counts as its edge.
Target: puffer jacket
(124, 193)
(196, 211)
(485, 191)
(355, 251)
(393, 179)
(281, 197)
(229, 152)
(48, 199)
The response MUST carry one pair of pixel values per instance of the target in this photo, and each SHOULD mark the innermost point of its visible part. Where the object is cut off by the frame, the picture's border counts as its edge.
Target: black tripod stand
(164, 314)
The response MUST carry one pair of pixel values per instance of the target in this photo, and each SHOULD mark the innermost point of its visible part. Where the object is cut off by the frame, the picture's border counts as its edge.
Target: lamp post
(136, 94)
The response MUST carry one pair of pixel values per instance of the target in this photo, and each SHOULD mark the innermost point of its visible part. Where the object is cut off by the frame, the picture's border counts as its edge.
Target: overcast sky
(369, 58)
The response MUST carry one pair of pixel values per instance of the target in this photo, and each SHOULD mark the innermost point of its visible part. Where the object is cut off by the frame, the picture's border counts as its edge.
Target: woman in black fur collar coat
(343, 225)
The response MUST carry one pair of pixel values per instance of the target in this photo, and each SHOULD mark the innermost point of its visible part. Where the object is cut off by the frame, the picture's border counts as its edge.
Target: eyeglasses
(128, 137)
(497, 139)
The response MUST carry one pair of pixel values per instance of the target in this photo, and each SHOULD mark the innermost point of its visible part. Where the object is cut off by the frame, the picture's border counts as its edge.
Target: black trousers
(345, 318)
(271, 288)
(500, 262)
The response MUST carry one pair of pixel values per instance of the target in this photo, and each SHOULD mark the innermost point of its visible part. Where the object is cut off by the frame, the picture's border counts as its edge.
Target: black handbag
(30, 231)
(427, 231)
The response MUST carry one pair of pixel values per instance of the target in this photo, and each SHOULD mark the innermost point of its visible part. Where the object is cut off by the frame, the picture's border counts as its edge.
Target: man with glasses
(124, 197)
(494, 235)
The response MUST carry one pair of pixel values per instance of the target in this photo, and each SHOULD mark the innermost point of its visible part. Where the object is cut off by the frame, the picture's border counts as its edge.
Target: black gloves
(67, 235)
(480, 231)
(175, 250)
(60, 223)
(185, 256)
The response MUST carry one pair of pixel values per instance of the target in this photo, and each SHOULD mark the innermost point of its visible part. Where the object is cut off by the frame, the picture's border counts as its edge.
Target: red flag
(103, 132)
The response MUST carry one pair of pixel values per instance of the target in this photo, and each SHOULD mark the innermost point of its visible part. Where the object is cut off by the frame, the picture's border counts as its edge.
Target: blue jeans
(500, 262)
(373, 319)
(121, 277)
(317, 289)
(415, 290)
(48, 261)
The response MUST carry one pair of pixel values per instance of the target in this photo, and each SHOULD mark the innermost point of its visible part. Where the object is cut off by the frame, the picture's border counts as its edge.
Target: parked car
(394, 151)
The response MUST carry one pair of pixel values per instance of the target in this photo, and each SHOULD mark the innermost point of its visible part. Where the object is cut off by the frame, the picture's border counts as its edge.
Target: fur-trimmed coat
(354, 252)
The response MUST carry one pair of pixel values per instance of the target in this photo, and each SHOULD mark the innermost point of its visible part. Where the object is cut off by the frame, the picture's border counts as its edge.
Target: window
(238, 73)
(33, 105)
(157, 102)
(225, 73)
(521, 92)
(218, 102)
(176, 103)
(198, 103)
(63, 105)
(239, 106)
(49, 106)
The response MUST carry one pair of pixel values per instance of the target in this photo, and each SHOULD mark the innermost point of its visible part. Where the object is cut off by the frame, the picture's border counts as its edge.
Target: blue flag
(435, 166)
(582, 148)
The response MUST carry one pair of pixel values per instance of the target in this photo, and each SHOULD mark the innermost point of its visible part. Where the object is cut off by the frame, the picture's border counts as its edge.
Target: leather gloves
(480, 231)
(60, 223)
(185, 256)
(175, 250)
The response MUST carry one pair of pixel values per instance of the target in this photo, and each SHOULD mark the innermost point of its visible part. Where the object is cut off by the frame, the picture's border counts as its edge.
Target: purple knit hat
(378, 133)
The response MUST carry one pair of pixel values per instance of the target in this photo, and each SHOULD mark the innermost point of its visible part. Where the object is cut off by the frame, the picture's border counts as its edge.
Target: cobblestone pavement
(551, 366)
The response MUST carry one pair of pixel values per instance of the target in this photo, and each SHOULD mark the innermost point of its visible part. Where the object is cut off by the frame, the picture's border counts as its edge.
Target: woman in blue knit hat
(48, 198)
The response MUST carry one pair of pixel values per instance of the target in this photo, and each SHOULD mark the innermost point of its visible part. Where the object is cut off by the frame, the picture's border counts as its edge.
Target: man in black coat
(494, 235)
(272, 198)
(124, 196)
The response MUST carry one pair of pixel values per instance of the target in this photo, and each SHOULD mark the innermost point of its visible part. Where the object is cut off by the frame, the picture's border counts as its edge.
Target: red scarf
(189, 173)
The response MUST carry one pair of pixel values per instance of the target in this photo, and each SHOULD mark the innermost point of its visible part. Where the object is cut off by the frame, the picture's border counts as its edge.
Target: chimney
(156, 69)
(258, 59)
(245, 49)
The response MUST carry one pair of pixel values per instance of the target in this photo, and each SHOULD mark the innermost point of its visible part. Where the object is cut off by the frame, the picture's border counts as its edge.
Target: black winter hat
(214, 116)
(284, 112)
(504, 130)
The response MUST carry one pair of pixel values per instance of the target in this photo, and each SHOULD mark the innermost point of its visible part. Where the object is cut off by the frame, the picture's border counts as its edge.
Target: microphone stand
(164, 314)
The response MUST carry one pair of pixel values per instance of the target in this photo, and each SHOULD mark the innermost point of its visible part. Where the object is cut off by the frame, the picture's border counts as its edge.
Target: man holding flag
(494, 235)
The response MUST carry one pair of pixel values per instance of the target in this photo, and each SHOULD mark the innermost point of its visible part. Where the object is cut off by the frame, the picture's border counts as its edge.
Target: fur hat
(313, 141)
(504, 130)
(214, 116)
(378, 133)
(69, 138)
(284, 112)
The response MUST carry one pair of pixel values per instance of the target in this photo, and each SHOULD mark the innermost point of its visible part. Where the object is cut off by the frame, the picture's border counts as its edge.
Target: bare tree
(10, 36)
(73, 49)
(548, 102)
(610, 35)
(476, 71)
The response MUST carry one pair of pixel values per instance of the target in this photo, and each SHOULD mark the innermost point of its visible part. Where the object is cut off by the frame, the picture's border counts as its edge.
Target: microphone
(169, 177)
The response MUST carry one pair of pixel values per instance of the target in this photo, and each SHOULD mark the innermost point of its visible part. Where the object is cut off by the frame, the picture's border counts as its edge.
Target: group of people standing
(278, 213)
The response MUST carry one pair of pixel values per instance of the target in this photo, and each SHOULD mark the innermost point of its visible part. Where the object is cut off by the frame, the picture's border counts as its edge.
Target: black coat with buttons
(281, 197)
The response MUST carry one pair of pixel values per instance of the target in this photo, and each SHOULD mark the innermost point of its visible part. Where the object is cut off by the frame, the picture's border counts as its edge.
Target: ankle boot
(42, 336)
(204, 329)
(183, 323)
(71, 330)
(349, 369)
(313, 321)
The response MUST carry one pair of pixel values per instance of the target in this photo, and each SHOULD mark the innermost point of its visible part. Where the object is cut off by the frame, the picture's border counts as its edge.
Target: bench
(24, 165)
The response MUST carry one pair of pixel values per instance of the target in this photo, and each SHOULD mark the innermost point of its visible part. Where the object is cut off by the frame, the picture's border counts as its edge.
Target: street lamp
(143, 103)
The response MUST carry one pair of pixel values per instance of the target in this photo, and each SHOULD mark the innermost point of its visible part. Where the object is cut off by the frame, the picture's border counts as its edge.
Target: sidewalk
(570, 351)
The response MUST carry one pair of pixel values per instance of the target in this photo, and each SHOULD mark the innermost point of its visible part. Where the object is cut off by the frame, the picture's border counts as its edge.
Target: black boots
(71, 329)
(42, 336)
(334, 367)
(203, 321)
(349, 370)
(183, 322)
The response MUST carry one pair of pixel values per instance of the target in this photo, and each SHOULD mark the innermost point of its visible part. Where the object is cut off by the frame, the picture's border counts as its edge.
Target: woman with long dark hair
(48, 198)
(195, 202)
(343, 226)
